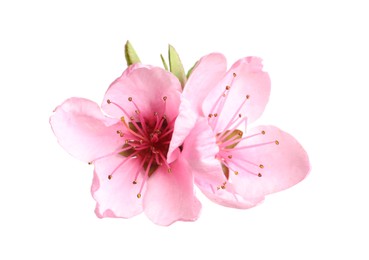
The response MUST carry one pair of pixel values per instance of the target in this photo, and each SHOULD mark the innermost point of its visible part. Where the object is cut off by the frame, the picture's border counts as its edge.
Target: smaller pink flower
(129, 147)
(234, 166)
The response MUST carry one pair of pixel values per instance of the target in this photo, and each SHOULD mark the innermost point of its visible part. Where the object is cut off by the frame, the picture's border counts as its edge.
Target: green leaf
(130, 53)
(164, 62)
(190, 70)
(176, 66)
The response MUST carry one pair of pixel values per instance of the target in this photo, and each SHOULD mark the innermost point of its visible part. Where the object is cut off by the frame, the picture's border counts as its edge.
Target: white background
(317, 56)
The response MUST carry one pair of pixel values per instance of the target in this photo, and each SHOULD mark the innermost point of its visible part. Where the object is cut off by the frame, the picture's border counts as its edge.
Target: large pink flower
(129, 147)
(234, 166)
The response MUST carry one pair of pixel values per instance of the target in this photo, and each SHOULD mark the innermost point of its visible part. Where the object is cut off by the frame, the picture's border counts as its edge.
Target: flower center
(229, 138)
(146, 141)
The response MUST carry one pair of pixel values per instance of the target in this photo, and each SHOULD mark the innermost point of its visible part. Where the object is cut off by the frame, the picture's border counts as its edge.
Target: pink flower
(233, 166)
(129, 147)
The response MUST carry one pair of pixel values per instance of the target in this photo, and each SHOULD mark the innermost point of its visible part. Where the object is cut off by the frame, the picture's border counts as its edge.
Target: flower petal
(146, 86)
(206, 74)
(209, 70)
(184, 123)
(116, 197)
(199, 150)
(249, 80)
(82, 129)
(283, 165)
(170, 196)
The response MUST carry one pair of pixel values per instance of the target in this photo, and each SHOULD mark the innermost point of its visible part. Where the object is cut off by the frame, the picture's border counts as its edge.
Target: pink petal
(146, 86)
(82, 129)
(250, 80)
(116, 197)
(208, 71)
(184, 123)
(199, 150)
(170, 196)
(285, 164)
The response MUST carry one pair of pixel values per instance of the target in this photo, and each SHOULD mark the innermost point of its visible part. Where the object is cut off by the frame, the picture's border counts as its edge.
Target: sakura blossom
(127, 141)
(233, 165)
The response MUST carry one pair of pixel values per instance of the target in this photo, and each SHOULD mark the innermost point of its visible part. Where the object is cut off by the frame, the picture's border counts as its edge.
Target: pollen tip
(134, 182)
(89, 163)
(261, 166)
(236, 173)
(230, 156)
(228, 87)
(276, 142)
(108, 101)
(109, 176)
(259, 174)
(263, 132)
(165, 98)
(247, 96)
(210, 115)
(138, 195)
(170, 170)
(130, 99)
(215, 115)
(234, 74)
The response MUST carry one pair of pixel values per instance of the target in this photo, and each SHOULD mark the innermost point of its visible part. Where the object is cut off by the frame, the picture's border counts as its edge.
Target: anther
(228, 87)
(165, 98)
(130, 99)
(263, 132)
(239, 115)
(108, 101)
(132, 118)
(230, 156)
(261, 166)
(138, 195)
(234, 74)
(210, 115)
(109, 176)
(247, 96)
(259, 174)
(89, 163)
(276, 142)
(236, 173)
(134, 182)
(215, 115)
(170, 170)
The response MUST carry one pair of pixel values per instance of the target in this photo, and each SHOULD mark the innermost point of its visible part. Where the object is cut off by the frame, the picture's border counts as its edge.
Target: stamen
(240, 167)
(139, 170)
(109, 154)
(255, 145)
(231, 121)
(145, 177)
(118, 166)
(165, 162)
(118, 106)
